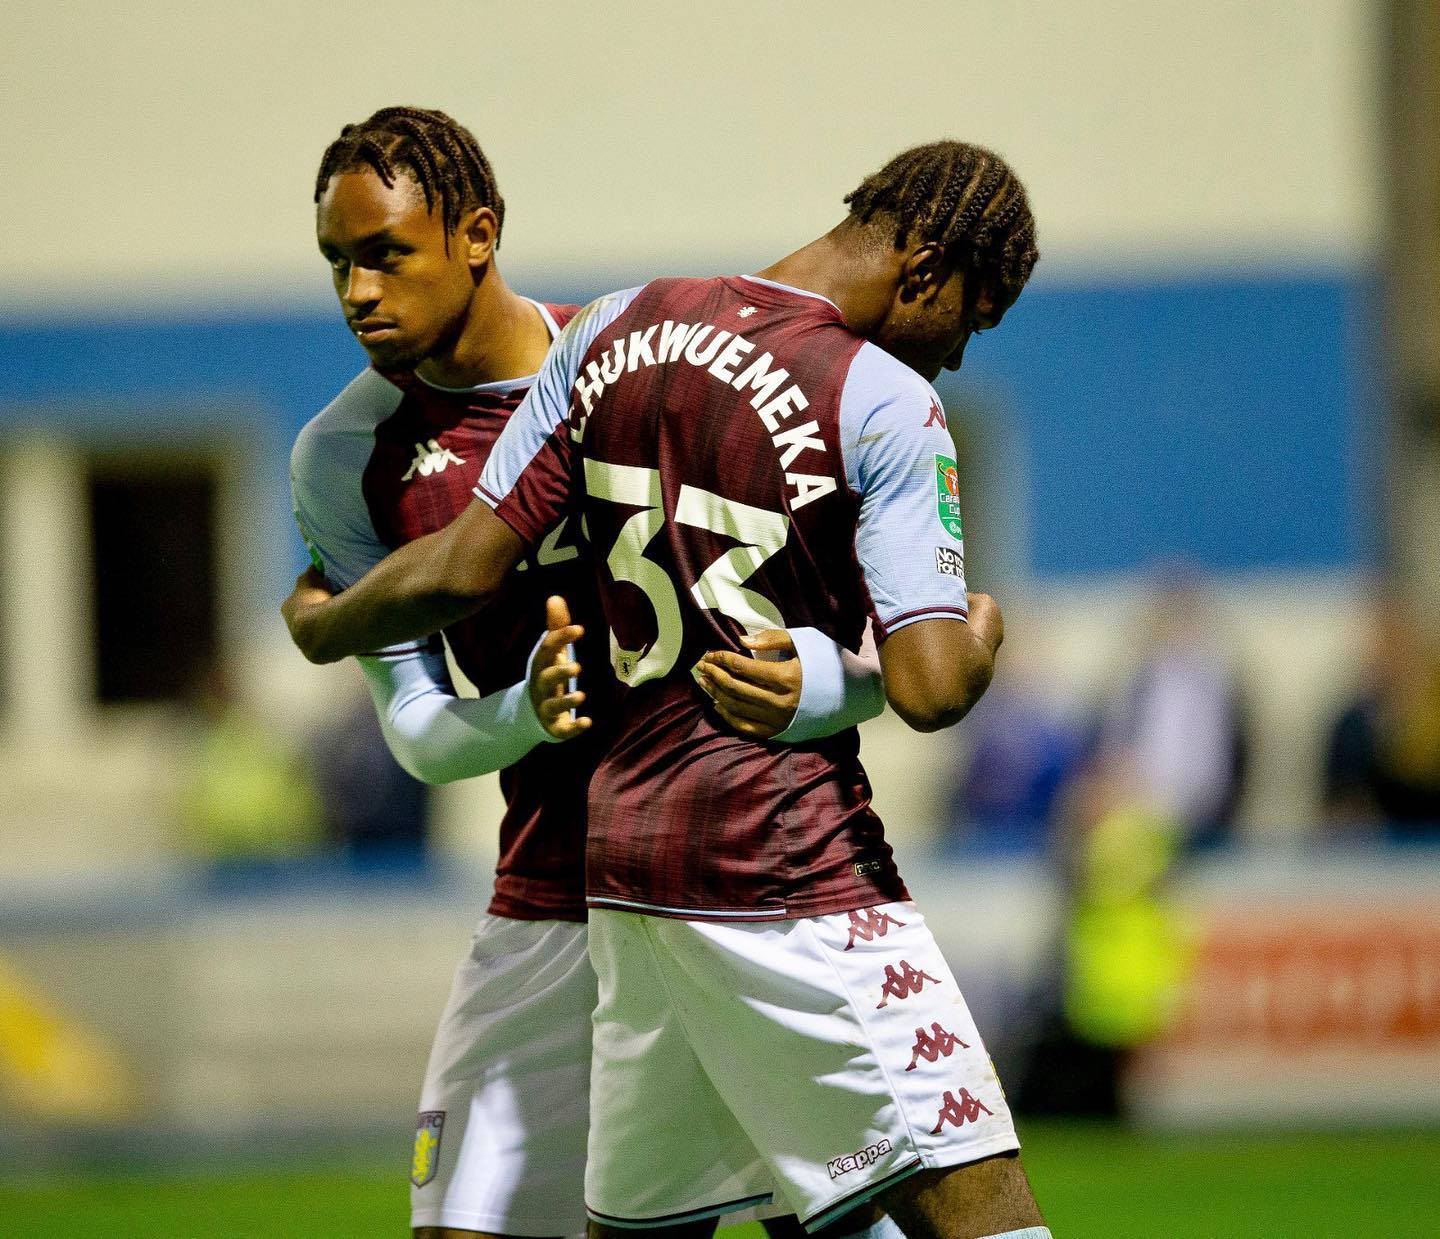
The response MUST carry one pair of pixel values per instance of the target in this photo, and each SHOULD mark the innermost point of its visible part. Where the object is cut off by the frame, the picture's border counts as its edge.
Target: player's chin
(394, 353)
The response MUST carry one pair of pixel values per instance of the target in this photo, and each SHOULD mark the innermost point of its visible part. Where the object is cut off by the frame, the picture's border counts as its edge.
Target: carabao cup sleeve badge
(426, 1159)
(947, 491)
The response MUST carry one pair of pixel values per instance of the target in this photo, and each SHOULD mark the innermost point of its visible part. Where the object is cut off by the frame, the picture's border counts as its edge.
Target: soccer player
(408, 217)
(754, 450)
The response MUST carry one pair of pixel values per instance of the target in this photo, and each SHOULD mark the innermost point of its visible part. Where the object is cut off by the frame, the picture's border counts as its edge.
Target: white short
(504, 1113)
(814, 1062)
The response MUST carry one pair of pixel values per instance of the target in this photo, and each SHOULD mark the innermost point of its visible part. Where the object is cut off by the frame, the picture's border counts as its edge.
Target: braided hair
(439, 153)
(959, 196)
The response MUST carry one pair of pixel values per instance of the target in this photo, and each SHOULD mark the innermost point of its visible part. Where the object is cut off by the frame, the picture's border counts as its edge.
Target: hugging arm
(421, 588)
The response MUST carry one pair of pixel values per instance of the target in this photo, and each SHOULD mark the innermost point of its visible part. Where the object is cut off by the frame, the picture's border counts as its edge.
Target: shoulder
(882, 395)
(877, 380)
(346, 423)
(591, 320)
(556, 314)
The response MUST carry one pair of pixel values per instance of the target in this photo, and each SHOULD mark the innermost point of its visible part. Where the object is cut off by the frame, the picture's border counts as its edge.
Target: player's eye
(338, 262)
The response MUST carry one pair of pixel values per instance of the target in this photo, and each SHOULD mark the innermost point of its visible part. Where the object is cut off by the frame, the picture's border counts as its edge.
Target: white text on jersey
(721, 353)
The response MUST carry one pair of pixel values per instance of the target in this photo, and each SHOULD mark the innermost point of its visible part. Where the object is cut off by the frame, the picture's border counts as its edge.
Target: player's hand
(311, 591)
(551, 671)
(757, 696)
(986, 622)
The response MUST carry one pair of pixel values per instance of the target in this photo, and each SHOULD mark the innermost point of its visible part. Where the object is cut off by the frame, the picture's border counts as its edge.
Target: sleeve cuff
(837, 689)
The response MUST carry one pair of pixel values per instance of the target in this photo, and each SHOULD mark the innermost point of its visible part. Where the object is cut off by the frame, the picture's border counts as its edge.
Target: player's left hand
(311, 590)
(757, 696)
(551, 671)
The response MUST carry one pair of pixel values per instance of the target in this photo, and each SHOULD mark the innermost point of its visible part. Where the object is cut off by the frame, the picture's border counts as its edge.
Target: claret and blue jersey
(393, 458)
(746, 462)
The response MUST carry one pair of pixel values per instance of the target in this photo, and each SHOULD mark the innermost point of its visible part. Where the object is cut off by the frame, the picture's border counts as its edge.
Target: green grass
(1093, 1182)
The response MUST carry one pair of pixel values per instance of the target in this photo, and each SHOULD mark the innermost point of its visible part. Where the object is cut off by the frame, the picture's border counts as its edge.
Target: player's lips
(372, 329)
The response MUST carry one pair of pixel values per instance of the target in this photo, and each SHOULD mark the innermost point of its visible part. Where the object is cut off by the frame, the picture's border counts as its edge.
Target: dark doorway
(153, 533)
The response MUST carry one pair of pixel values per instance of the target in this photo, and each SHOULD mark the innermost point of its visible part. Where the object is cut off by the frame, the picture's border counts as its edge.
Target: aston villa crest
(426, 1159)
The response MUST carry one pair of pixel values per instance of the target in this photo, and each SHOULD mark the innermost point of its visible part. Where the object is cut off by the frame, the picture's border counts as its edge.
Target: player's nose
(362, 287)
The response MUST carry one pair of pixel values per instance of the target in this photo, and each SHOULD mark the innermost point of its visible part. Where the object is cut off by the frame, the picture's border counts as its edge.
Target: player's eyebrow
(381, 236)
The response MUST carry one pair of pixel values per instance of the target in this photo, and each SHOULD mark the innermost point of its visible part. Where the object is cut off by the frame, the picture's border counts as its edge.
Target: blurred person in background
(248, 802)
(1022, 753)
(376, 814)
(1174, 737)
(1382, 762)
(1161, 781)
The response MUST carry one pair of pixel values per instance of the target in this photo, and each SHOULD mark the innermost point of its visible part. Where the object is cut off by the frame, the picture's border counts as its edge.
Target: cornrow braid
(959, 196)
(439, 153)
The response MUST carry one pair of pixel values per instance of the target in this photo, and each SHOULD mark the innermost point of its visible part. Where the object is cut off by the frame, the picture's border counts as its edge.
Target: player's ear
(479, 230)
(923, 272)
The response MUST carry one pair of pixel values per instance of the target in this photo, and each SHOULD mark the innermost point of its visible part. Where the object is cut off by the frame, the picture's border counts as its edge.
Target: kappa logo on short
(867, 1156)
(932, 1045)
(947, 491)
(937, 415)
(902, 984)
(870, 924)
(431, 458)
(426, 1159)
(966, 1110)
(745, 311)
(949, 562)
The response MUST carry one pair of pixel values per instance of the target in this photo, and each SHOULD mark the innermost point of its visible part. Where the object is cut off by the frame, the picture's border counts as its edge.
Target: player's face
(405, 294)
(931, 320)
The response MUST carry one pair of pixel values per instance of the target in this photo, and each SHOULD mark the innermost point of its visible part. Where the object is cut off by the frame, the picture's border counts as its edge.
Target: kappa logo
(966, 1110)
(902, 984)
(937, 415)
(870, 924)
(858, 1160)
(425, 1161)
(933, 1045)
(431, 458)
(745, 311)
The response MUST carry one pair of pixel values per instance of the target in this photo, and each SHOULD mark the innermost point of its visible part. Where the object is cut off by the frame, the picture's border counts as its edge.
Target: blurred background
(1185, 857)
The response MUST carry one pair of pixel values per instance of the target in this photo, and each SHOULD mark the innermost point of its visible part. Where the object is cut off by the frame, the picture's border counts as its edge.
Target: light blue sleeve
(327, 467)
(433, 733)
(838, 689)
(901, 462)
(547, 403)
(439, 737)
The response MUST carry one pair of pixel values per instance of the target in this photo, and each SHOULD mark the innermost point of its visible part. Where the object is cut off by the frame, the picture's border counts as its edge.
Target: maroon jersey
(703, 421)
(394, 458)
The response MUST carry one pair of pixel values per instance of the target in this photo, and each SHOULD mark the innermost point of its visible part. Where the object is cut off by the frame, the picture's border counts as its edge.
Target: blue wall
(1235, 422)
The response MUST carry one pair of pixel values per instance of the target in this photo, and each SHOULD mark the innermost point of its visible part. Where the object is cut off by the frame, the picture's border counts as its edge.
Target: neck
(503, 338)
(844, 266)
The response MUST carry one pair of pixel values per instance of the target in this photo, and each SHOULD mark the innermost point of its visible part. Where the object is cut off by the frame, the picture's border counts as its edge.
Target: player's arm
(796, 685)
(439, 736)
(421, 588)
(934, 662)
(936, 670)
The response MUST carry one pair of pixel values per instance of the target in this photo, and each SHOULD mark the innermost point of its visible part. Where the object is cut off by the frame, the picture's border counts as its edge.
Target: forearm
(935, 671)
(439, 737)
(419, 589)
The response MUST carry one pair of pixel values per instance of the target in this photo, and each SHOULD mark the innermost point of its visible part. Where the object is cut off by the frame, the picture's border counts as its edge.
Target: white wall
(170, 146)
